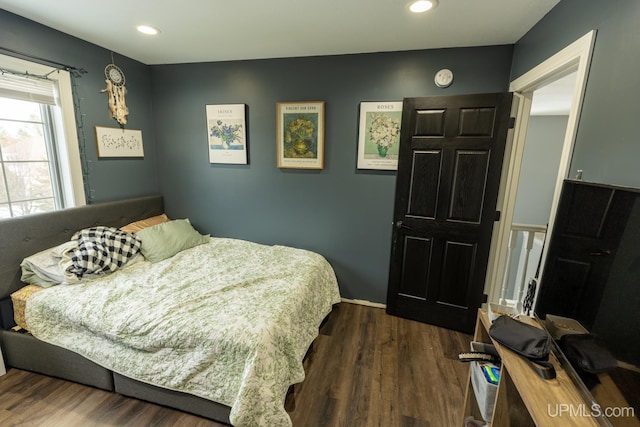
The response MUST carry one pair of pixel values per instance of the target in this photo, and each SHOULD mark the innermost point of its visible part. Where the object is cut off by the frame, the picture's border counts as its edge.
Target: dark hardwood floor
(365, 369)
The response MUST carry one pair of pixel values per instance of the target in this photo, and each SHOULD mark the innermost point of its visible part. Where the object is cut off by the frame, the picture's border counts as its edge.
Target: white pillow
(43, 268)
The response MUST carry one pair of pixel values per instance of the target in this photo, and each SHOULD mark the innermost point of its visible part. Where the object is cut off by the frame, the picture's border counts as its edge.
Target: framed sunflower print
(300, 135)
(379, 135)
(226, 134)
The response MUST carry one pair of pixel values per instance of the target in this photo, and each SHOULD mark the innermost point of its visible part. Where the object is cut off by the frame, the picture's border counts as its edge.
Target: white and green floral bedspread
(228, 321)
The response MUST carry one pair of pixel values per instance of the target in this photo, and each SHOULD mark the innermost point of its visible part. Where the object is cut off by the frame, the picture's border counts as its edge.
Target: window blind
(27, 88)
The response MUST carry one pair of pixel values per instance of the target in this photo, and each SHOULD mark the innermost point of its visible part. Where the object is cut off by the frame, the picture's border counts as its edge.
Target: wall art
(115, 80)
(118, 142)
(379, 135)
(300, 134)
(226, 133)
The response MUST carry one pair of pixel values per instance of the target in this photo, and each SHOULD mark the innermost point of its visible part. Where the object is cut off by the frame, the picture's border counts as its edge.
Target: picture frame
(379, 135)
(119, 142)
(227, 133)
(300, 135)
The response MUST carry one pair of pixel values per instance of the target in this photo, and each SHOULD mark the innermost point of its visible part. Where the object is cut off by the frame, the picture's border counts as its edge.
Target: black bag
(588, 353)
(588, 356)
(534, 344)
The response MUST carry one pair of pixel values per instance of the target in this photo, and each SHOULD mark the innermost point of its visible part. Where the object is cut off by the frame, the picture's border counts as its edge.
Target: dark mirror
(591, 283)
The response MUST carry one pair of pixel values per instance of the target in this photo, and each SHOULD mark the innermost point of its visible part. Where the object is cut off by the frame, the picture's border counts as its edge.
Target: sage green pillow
(162, 241)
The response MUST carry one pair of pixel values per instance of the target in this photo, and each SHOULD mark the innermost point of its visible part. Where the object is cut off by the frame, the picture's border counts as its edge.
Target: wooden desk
(525, 399)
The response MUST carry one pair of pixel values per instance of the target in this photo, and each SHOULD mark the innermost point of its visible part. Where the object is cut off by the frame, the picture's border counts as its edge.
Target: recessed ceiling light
(145, 29)
(420, 6)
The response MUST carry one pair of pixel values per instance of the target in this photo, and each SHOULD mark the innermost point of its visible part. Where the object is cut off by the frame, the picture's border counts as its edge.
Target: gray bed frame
(24, 236)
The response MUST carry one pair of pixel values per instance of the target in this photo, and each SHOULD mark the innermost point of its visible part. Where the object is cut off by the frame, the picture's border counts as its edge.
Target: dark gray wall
(343, 213)
(340, 211)
(607, 147)
(107, 179)
(545, 137)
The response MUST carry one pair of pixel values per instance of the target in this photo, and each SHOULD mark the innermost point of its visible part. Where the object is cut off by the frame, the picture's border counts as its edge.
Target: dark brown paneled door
(451, 152)
(590, 222)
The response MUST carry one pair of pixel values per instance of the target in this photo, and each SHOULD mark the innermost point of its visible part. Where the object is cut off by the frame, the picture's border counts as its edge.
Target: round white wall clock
(443, 78)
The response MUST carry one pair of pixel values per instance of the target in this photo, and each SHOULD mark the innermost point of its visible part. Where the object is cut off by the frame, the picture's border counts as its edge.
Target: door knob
(600, 252)
(400, 224)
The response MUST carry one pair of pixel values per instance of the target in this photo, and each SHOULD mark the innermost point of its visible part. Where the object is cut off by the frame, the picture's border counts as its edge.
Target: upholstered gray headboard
(24, 236)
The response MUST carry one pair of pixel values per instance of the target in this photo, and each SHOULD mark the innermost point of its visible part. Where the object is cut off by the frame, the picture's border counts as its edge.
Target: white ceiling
(222, 30)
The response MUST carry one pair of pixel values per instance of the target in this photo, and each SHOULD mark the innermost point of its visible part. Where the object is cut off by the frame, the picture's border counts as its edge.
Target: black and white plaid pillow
(102, 250)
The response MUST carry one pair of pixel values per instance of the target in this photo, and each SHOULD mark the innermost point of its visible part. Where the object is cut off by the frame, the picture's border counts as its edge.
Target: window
(39, 156)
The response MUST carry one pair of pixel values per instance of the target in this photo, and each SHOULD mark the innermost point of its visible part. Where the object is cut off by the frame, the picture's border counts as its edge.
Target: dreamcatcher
(114, 77)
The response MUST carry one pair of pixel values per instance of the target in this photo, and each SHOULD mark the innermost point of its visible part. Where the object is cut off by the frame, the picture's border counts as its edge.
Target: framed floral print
(379, 135)
(300, 135)
(226, 134)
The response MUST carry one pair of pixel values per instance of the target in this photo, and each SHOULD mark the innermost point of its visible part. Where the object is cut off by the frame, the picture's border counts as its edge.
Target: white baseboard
(364, 302)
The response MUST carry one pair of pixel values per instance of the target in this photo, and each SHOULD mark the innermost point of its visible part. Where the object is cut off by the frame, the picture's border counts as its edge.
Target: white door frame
(575, 57)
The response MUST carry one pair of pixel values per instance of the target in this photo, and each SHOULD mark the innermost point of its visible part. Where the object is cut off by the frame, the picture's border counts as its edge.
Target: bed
(218, 329)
